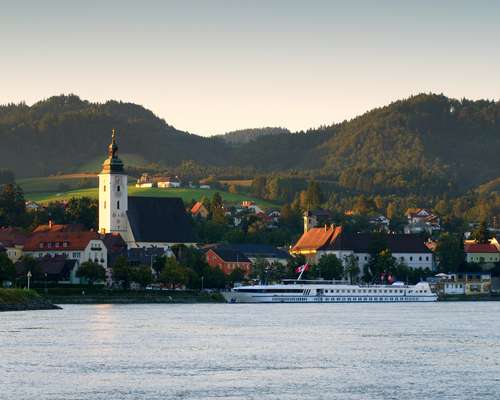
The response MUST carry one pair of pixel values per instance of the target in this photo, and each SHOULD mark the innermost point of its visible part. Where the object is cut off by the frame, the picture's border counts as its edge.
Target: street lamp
(29, 275)
(46, 283)
(202, 279)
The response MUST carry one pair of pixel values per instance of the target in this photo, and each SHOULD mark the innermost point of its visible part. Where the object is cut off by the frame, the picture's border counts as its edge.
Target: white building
(317, 242)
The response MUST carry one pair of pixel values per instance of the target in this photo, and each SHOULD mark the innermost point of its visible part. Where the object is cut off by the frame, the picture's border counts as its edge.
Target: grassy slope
(186, 194)
(15, 296)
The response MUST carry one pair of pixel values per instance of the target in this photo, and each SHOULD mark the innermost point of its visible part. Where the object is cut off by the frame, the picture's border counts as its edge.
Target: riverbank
(22, 300)
(478, 297)
(128, 297)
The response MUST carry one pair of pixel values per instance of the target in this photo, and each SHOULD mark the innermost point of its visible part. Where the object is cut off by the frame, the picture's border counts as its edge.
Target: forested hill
(247, 135)
(424, 144)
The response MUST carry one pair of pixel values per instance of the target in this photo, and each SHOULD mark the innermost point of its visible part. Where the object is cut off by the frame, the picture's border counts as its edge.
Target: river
(252, 351)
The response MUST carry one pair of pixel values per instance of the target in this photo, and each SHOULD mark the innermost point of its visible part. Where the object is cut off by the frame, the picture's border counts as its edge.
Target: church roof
(112, 164)
(159, 219)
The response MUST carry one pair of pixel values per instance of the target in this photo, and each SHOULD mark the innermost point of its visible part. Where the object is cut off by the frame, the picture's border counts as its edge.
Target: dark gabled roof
(230, 255)
(396, 243)
(58, 268)
(159, 219)
(259, 250)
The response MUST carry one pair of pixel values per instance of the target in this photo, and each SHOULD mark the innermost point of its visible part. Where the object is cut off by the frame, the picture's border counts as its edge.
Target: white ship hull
(330, 293)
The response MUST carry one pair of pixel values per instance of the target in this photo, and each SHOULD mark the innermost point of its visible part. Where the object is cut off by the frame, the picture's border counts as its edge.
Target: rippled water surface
(268, 351)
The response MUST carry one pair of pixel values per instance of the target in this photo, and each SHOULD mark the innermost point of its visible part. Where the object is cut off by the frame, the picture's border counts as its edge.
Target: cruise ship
(321, 291)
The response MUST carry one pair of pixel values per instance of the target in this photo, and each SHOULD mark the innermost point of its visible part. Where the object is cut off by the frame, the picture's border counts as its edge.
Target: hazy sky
(213, 66)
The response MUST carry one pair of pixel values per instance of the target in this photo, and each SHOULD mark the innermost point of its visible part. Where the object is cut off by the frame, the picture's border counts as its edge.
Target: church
(141, 221)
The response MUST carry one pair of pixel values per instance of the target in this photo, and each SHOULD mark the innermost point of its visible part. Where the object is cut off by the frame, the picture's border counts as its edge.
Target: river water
(244, 351)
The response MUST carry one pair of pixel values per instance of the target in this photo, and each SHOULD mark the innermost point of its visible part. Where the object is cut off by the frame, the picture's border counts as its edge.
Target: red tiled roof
(12, 236)
(197, 207)
(59, 228)
(480, 248)
(73, 240)
(316, 238)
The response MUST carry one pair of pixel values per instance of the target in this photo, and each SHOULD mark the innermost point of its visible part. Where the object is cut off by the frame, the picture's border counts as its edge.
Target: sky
(209, 67)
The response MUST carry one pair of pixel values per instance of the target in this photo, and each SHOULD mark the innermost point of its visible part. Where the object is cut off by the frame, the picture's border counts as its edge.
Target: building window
(419, 258)
(118, 205)
(118, 188)
(104, 204)
(411, 258)
(104, 188)
(427, 258)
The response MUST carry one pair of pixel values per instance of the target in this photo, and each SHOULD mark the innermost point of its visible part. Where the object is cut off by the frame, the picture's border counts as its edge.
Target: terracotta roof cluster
(480, 248)
(59, 228)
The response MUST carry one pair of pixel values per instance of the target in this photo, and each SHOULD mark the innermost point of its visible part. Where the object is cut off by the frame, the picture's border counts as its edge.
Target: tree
(329, 267)
(217, 209)
(173, 274)
(91, 271)
(7, 268)
(450, 253)
(82, 211)
(314, 197)
(236, 275)
(122, 272)
(482, 234)
(142, 275)
(12, 206)
(351, 267)
(214, 277)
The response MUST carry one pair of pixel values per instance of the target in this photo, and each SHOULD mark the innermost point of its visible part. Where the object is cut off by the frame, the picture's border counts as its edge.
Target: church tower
(113, 194)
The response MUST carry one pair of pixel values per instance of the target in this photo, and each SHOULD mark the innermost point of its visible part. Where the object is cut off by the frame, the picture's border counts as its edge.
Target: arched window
(118, 205)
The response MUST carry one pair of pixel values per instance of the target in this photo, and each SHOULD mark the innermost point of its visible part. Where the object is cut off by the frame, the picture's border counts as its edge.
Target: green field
(186, 194)
(57, 183)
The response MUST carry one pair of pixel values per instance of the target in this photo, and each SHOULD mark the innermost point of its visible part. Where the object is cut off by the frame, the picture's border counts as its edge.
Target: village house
(228, 260)
(265, 252)
(379, 222)
(466, 283)
(57, 269)
(199, 210)
(144, 181)
(315, 218)
(251, 206)
(481, 253)
(316, 242)
(169, 182)
(13, 241)
(421, 220)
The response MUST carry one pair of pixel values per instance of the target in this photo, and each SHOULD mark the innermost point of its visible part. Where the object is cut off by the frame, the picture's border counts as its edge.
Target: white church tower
(113, 194)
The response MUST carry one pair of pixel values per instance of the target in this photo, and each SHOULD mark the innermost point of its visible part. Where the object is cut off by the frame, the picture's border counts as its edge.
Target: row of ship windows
(342, 299)
(372, 291)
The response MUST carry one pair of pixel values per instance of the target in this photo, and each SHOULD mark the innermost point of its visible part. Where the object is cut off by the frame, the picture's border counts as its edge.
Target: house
(199, 210)
(53, 269)
(13, 240)
(78, 246)
(32, 206)
(252, 207)
(141, 221)
(421, 220)
(315, 218)
(274, 214)
(466, 283)
(481, 252)
(265, 252)
(59, 228)
(169, 182)
(379, 222)
(228, 260)
(316, 242)
(144, 181)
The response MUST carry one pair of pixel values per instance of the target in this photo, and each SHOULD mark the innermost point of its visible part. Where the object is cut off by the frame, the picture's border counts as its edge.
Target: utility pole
(29, 275)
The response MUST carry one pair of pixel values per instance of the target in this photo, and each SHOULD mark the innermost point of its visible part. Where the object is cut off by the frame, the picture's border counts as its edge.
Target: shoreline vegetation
(23, 300)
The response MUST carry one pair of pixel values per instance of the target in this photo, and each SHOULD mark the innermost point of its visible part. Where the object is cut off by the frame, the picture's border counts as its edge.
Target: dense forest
(426, 145)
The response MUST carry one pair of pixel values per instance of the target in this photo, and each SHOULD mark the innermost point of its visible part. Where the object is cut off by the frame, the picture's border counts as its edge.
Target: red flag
(302, 268)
